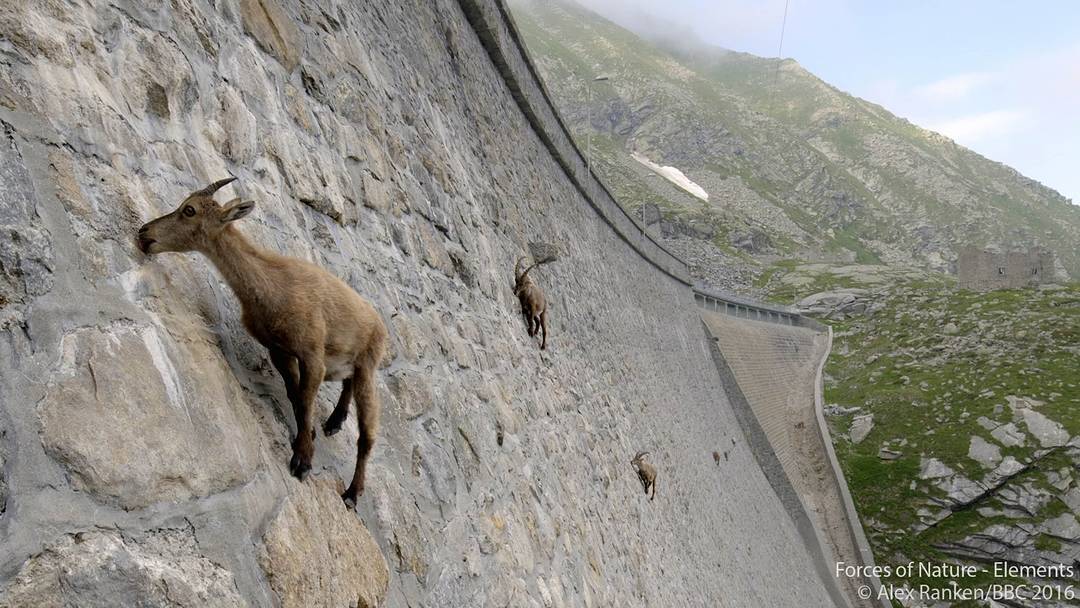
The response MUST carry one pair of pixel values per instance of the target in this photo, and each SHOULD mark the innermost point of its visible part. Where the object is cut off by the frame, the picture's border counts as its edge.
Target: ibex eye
(189, 211)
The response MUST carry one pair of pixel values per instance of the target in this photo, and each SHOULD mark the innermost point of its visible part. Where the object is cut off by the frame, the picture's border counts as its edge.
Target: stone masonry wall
(144, 435)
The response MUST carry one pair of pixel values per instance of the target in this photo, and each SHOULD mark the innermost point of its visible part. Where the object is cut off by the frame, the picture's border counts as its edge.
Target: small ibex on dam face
(716, 458)
(646, 473)
(533, 304)
(314, 325)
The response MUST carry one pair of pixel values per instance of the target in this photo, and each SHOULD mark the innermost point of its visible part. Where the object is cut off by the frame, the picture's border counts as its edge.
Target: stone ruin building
(986, 270)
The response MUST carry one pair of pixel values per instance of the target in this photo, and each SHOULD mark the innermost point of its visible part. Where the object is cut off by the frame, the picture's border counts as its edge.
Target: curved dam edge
(777, 391)
(774, 472)
(493, 24)
(858, 535)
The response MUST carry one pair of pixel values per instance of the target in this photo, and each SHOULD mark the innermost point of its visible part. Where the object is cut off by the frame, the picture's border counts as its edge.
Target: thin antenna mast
(779, 55)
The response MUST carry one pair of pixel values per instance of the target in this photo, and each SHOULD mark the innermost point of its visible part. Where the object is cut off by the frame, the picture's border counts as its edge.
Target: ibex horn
(214, 187)
(543, 261)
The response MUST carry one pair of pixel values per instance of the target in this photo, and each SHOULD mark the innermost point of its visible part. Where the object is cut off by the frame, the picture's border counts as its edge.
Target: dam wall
(774, 365)
(407, 147)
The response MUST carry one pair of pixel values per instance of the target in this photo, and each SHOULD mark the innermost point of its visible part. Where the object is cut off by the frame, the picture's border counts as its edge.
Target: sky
(1000, 77)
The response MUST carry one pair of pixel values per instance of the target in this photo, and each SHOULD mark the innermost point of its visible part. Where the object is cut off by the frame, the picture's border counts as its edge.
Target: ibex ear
(236, 209)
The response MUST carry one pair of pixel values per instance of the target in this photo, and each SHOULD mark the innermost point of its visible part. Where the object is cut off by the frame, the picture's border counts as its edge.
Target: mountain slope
(798, 166)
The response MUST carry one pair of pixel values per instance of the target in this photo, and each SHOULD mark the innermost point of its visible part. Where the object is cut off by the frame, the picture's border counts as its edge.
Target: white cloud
(954, 88)
(745, 25)
(984, 125)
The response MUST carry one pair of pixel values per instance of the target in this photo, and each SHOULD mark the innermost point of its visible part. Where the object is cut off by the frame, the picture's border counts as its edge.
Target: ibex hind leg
(341, 411)
(543, 327)
(367, 416)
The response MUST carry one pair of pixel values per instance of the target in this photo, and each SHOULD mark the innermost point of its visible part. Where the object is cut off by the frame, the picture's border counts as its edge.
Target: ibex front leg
(312, 372)
(289, 368)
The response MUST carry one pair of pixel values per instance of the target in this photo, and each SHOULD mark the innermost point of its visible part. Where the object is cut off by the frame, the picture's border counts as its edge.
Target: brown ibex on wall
(314, 325)
(646, 473)
(533, 304)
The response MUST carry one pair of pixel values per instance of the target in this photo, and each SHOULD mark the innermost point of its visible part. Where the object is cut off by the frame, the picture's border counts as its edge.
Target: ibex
(314, 325)
(646, 473)
(533, 304)
(716, 458)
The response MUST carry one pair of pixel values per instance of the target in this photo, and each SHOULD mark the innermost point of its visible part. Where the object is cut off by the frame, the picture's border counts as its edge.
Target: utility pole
(588, 121)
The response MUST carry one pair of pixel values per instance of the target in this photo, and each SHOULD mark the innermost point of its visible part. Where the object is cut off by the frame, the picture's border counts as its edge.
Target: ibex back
(314, 325)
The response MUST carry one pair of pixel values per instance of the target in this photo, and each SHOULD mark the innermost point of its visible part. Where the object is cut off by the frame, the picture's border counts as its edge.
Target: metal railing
(745, 308)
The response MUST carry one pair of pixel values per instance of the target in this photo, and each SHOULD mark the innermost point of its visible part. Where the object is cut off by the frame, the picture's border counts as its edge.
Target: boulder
(1009, 435)
(96, 569)
(1063, 526)
(984, 452)
(137, 421)
(861, 427)
(317, 554)
(834, 304)
(1049, 433)
(932, 468)
(889, 454)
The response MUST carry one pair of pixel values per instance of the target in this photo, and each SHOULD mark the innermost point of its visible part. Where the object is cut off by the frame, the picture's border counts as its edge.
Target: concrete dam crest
(410, 149)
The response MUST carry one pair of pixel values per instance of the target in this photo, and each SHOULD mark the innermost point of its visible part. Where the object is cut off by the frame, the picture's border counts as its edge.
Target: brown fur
(716, 458)
(533, 303)
(314, 325)
(646, 473)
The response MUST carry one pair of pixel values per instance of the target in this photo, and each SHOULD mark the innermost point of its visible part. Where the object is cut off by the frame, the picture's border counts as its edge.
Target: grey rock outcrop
(837, 304)
(1009, 435)
(861, 427)
(984, 452)
(162, 567)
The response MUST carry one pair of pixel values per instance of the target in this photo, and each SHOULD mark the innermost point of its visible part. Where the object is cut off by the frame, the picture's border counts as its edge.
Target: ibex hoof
(331, 427)
(350, 498)
(299, 468)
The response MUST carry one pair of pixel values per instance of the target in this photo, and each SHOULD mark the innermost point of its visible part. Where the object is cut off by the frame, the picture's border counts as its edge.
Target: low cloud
(954, 88)
(978, 127)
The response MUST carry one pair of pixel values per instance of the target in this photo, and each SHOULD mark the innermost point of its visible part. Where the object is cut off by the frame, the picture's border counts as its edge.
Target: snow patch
(674, 176)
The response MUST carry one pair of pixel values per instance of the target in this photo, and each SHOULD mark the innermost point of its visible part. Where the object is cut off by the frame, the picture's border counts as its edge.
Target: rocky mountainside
(792, 167)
